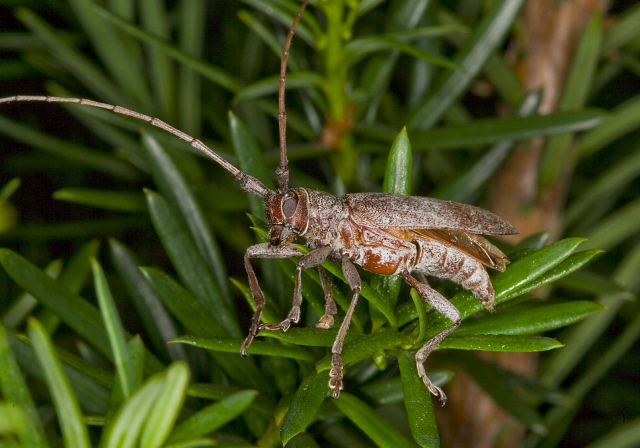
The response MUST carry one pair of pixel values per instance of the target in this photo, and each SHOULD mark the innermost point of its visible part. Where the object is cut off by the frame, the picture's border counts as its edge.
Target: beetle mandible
(383, 233)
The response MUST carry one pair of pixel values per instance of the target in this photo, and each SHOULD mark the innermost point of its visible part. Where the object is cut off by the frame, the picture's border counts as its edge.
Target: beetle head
(287, 214)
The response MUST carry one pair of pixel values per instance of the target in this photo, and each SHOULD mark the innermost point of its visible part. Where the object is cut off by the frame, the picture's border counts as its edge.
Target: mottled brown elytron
(383, 233)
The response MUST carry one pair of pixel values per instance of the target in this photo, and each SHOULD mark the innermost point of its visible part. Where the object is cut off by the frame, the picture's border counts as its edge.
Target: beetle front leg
(263, 250)
(353, 280)
(312, 259)
(443, 306)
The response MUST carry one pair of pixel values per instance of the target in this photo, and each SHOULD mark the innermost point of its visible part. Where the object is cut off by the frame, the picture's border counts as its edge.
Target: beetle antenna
(248, 183)
(282, 172)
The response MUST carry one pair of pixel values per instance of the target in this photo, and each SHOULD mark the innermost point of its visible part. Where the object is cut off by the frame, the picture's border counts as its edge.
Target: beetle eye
(289, 206)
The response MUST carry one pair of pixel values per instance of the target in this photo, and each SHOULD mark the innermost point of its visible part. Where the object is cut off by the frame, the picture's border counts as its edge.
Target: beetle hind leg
(444, 307)
(423, 354)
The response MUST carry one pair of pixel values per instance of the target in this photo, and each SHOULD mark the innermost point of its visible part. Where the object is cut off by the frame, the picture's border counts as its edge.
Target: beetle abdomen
(449, 263)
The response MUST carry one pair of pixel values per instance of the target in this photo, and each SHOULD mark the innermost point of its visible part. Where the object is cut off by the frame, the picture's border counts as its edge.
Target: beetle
(383, 233)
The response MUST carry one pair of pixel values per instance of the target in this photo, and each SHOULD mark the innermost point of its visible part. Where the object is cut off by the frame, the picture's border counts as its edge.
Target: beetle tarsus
(330, 308)
(245, 345)
(284, 325)
(440, 395)
(325, 321)
(335, 376)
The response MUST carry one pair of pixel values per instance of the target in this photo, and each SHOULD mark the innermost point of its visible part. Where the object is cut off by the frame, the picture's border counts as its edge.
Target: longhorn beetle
(383, 233)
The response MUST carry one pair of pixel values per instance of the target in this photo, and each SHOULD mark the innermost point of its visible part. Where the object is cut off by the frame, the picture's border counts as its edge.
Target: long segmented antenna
(282, 172)
(248, 183)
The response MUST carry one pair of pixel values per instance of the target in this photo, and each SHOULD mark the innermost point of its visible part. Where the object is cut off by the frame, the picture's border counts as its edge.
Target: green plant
(75, 337)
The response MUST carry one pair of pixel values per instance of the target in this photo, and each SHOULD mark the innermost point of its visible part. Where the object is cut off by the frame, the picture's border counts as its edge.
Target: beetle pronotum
(383, 233)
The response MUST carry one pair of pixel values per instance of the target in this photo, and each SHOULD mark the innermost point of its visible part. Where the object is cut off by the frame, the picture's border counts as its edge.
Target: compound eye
(289, 205)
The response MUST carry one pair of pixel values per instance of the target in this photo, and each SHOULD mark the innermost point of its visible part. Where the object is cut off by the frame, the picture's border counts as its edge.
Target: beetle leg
(264, 250)
(312, 259)
(443, 306)
(330, 306)
(335, 375)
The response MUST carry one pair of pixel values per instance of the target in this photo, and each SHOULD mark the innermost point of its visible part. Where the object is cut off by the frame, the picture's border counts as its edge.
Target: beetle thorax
(325, 213)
